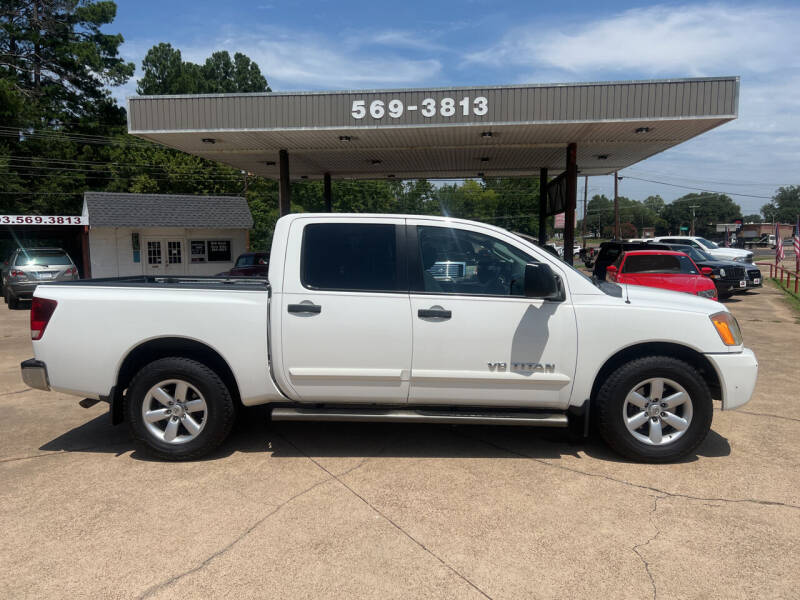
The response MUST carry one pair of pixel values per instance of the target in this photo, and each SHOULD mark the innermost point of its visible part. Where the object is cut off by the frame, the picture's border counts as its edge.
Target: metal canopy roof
(494, 131)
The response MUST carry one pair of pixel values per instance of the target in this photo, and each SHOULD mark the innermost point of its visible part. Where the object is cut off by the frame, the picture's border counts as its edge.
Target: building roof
(496, 131)
(107, 209)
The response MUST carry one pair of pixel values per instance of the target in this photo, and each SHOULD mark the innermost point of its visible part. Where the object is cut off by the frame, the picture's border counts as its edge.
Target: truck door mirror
(540, 282)
(611, 269)
(706, 270)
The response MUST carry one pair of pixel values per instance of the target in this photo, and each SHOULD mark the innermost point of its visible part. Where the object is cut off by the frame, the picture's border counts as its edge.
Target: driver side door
(477, 340)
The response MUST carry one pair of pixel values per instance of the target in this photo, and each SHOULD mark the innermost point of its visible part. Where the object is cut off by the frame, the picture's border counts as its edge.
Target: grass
(792, 299)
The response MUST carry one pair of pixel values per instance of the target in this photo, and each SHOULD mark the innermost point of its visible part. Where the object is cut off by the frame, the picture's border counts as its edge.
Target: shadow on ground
(254, 432)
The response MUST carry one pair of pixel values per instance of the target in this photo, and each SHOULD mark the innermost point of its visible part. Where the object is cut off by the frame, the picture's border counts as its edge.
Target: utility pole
(585, 194)
(616, 205)
(693, 206)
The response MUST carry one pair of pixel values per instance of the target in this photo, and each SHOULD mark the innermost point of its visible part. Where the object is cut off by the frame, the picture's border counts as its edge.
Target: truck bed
(178, 282)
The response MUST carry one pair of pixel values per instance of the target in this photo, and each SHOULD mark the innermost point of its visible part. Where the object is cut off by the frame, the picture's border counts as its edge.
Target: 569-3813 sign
(42, 220)
(428, 107)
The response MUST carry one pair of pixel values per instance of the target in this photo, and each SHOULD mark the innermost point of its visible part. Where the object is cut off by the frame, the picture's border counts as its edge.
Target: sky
(341, 44)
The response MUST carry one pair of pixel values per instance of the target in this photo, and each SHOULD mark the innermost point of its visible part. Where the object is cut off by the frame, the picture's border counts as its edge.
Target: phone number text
(429, 107)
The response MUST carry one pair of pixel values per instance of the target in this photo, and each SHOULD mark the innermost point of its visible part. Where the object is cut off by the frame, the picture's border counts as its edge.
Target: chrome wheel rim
(174, 411)
(657, 411)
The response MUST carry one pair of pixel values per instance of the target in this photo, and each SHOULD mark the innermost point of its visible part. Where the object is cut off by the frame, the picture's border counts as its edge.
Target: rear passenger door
(346, 317)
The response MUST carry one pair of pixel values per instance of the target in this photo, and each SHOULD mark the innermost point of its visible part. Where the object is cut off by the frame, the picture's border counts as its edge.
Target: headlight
(727, 328)
(708, 293)
(740, 259)
(722, 272)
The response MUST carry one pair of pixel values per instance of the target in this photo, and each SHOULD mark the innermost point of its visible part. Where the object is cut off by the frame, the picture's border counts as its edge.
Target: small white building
(160, 234)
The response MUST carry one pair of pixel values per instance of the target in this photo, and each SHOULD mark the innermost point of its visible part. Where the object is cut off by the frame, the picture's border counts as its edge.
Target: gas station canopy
(442, 132)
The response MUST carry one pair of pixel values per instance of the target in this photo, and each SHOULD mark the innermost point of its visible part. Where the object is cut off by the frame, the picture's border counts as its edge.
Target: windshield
(42, 257)
(248, 260)
(659, 263)
(707, 243)
(695, 254)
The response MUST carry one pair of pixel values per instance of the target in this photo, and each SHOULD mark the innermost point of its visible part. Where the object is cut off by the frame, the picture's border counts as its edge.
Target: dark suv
(28, 267)
(610, 251)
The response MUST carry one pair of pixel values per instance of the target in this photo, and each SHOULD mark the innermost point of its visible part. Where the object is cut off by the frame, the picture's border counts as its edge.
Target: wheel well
(684, 353)
(153, 350)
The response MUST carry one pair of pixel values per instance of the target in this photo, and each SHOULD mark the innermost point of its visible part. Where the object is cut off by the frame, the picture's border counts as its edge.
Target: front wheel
(654, 409)
(179, 408)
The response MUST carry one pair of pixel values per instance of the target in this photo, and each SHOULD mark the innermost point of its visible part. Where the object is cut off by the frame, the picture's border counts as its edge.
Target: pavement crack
(756, 414)
(16, 392)
(636, 548)
(388, 519)
(168, 582)
(638, 485)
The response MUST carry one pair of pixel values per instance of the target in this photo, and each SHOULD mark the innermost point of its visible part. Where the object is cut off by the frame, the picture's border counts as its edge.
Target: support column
(326, 192)
(616, 205)
(542, 206)
(285, 193)
(87, 265)
(585, 197)
(571, 200)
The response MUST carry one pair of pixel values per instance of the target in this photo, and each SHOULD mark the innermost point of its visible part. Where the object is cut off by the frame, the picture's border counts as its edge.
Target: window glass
(707, 243)
(219, 250)
(457, 261)
(659, 263)
(42, 257)
(350, 256)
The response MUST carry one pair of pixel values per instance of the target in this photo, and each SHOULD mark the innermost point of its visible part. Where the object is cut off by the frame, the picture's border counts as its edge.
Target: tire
(13, 301)
(206, 402)
(656, 440)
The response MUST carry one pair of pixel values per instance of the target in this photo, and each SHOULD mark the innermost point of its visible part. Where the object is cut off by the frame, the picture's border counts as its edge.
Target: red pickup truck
(663, 269)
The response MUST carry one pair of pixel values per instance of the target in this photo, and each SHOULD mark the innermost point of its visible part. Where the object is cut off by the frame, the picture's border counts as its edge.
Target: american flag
(796, 243)
(779, 256)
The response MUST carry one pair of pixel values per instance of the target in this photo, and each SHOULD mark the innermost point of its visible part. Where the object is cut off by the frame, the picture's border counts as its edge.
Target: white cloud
(693, 40)
(293, 60)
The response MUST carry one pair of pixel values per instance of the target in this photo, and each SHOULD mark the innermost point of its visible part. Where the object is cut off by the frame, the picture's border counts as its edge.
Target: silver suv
(28, 267)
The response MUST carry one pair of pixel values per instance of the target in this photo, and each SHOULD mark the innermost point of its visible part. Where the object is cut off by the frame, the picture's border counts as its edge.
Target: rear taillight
(16, 273)
(71, 271)
(41, 311)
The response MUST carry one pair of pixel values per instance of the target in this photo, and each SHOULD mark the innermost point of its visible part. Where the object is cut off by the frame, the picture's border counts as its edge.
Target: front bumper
(34, 374)
(737, 373)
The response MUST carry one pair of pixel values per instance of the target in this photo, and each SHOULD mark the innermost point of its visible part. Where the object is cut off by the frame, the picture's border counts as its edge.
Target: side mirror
(611, 269)
(540, 282)
(706, 270)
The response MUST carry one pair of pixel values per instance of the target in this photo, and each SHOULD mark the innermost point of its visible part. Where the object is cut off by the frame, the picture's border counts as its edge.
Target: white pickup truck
(381, 318)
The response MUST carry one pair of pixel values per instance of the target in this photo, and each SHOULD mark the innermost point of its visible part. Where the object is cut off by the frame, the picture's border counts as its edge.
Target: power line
(695, 188)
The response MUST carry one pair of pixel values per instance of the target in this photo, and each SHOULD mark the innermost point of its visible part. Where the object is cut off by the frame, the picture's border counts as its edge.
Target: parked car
(663, 269)
(27, 267)
(718, 252)
(549, 247)
(729, 276)
(249, 264)
(352, 326)
(609, 252)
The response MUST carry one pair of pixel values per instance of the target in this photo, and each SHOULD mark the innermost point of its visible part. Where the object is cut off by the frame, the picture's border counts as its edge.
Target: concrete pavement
(346, 510)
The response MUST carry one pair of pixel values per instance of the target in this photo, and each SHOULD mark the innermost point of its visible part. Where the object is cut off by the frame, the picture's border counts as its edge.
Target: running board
(452, 417)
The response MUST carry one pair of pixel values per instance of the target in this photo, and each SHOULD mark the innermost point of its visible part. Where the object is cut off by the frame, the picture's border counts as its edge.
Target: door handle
(305, 308)
(434, 313)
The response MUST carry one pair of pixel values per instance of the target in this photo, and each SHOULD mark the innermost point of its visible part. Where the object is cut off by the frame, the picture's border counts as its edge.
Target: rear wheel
(179, 408)
(654, 409)
(12, 300)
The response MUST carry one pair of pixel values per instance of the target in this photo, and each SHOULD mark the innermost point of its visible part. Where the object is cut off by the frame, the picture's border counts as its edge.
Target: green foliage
(784, 206)
(165, 72)
(709, 210)
(57, 57)
(751, 219)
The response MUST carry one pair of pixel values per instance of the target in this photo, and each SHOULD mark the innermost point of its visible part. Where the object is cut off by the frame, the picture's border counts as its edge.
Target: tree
(784, 206)
(165, 72)
(709, 210)
(654, 203)
(751, 219)
(56, 56)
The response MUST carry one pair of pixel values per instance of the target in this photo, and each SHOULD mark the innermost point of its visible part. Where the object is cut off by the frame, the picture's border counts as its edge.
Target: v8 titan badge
(428, 107)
